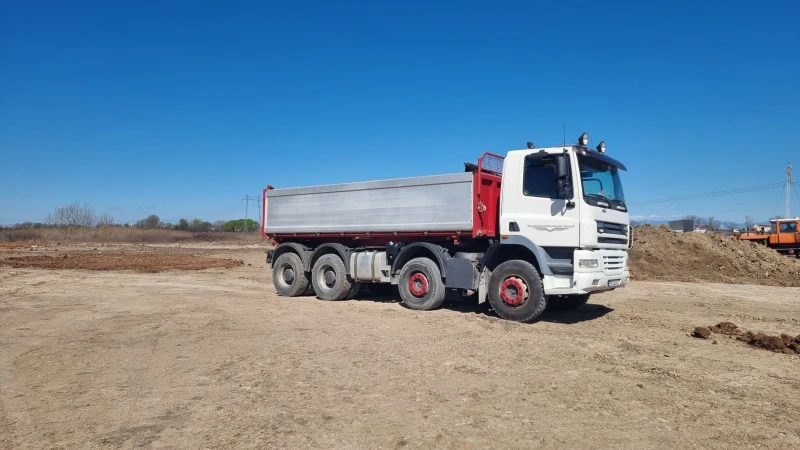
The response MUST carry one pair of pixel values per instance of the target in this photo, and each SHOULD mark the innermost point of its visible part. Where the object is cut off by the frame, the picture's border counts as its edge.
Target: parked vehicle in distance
(539, 225)
(782, 234)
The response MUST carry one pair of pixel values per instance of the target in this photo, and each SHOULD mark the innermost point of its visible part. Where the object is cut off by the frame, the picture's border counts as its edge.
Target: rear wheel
(516, 291)
(421, 286)
(289, 276)
(329, 277)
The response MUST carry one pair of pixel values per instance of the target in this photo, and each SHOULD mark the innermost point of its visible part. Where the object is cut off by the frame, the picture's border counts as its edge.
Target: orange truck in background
(784, 236)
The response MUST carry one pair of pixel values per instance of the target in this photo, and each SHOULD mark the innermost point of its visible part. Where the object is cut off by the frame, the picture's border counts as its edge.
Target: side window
(539, 178)
(788, 227)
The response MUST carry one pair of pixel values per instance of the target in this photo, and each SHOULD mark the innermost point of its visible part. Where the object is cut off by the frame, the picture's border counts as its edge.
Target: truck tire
(354, 290)
(329, 277)
(516, 291)
(289, 276)
(421, 286)
(568, 302)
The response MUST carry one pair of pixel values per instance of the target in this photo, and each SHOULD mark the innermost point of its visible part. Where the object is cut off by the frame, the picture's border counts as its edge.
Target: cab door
(542, 215)
(788, 232)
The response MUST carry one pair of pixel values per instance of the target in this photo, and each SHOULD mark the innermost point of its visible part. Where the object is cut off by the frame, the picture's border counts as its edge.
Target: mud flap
(483, 285)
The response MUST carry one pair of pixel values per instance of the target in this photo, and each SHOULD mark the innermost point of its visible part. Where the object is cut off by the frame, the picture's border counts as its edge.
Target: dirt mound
(140, 262)
(661, 254)
(726, 328)
(779, 344)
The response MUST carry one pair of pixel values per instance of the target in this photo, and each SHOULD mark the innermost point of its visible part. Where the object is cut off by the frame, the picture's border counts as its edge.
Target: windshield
(788, 227)
(600, 182)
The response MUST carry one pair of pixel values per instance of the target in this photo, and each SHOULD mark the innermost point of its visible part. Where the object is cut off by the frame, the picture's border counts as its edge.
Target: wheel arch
(292, 247)
(516, 247)
(326, 249)
(436, 253)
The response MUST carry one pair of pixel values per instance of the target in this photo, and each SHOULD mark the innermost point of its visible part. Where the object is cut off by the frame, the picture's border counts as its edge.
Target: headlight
(587, 263)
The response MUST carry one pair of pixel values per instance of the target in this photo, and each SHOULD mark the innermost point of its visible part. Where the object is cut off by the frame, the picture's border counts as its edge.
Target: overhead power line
(743, 190)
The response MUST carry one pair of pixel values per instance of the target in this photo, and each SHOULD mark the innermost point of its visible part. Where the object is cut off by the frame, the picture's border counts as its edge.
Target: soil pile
(784, 343)
(661, 254)
(140, 262)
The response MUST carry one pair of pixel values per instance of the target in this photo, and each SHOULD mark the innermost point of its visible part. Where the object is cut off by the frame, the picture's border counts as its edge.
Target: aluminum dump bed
(418, 204)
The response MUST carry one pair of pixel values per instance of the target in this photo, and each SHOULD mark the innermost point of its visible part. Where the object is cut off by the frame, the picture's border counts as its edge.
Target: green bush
(241, 225)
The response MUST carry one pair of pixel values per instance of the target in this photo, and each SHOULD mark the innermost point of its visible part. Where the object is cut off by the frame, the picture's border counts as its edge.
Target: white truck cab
(578, 217)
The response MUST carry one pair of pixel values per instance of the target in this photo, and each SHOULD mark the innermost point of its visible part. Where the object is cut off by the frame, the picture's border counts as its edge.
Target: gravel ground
(214, 359)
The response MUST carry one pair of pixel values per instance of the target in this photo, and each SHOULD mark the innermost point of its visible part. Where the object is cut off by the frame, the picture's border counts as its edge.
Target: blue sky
(182, 108)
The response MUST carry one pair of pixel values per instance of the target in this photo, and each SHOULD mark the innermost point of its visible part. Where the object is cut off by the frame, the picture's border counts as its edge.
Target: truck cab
(568, 201)
(786, 236)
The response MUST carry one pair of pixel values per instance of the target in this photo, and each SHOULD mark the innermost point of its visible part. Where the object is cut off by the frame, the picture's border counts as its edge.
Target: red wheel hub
(418, 284)
(513, 291)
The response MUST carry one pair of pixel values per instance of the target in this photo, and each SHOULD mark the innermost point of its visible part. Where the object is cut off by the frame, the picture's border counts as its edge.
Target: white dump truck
(536, 226)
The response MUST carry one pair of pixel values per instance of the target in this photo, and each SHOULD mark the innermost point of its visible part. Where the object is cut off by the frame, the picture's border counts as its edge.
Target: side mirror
(562, 175)
(562, 166)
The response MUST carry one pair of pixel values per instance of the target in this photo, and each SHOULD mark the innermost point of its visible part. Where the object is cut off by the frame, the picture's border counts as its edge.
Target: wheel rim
(326, 277)
(514, 291)
(418, 284)
(330, 278)
(287, 275)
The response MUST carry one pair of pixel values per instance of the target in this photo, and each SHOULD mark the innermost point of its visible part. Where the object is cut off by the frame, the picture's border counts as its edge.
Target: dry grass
(122, 234)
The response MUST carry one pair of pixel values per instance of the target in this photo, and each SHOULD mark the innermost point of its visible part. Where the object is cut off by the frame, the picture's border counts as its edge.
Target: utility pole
(247, 199)
(260, 213)
(788, 190)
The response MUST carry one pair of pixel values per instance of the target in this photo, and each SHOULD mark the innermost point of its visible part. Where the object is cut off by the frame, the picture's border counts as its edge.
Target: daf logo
(551, 228)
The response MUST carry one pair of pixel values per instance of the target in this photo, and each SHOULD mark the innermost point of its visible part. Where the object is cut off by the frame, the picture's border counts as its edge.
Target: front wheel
(516, 291)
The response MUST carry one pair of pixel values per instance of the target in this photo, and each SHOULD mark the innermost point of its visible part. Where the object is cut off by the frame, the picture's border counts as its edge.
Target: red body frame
(485, 214)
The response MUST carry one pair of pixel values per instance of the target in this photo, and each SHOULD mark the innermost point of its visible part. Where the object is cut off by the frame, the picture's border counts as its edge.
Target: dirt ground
(214, 359)
(142, 262)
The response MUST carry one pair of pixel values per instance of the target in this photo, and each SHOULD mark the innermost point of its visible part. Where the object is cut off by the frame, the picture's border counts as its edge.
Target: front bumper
(612, 272)
(585, 283)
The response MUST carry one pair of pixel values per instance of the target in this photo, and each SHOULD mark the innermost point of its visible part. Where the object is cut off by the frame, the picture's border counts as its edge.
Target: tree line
(83, 216)
(153, 221)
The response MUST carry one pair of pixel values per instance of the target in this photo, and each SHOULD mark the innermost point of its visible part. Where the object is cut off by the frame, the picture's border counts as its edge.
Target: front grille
(612, 228)
(613, 265)
(608, 240)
